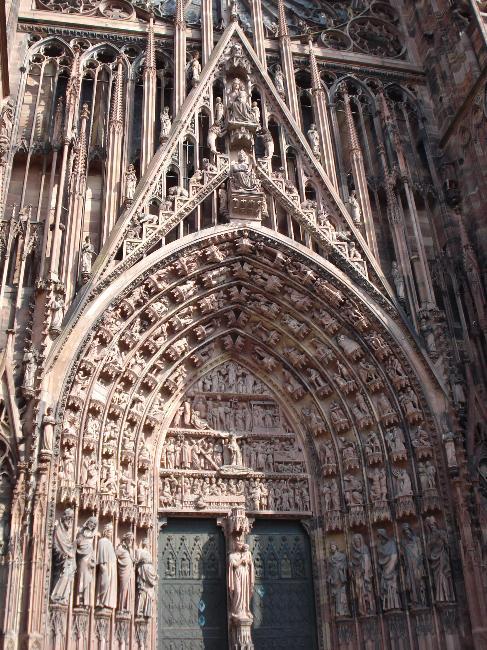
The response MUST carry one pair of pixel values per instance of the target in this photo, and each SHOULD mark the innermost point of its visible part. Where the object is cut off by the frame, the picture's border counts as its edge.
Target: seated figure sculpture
(242, 175)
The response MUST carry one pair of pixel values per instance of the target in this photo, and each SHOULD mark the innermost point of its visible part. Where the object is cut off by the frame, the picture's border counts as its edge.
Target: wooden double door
(192, 605)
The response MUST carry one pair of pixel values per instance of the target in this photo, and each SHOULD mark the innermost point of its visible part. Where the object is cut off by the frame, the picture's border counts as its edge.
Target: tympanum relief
(229, 445)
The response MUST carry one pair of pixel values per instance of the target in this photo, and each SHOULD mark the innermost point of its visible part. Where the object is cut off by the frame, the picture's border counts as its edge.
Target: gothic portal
(243, 363)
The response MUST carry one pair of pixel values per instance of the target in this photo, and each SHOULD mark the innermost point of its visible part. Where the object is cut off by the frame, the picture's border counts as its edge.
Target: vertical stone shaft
(425, 284)
(149, 100)
(359, 177)
(206, 29)
(320, 112)
(72, 95)
(113, 168)
(75, 211)
(179, 57)
(258, 29)
(287, 64)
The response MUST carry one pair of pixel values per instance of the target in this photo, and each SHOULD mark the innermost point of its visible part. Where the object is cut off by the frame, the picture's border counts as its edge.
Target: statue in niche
(279, 80)
(89, 472)
(242, 176)
(125, 562)
(219, 110)
(266, 136)
(350, 347)
(427, 476)
(130, 182)
(438, 554)
(56, 305)
(378, 486)
(47, 426)
(338, 579)
(85, 560)
(29, 362)
(63, 558)
(414, 569)
(388, 559)
(194, 68)
(87, 252)
(145, 582)
(106, 561)
(239, 108)
(166, 123)
(395, 441)
(353, 490)
(241, 580)
(314, 139)
(355, 211)
(256, 112)
(362, 575)
(398, 280)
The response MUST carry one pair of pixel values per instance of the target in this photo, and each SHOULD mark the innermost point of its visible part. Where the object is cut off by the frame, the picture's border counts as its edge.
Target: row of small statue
(123, 577)
(357, 570)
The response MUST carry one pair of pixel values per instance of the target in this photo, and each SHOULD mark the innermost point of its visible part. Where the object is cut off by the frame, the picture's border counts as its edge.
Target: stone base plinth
(241, 633)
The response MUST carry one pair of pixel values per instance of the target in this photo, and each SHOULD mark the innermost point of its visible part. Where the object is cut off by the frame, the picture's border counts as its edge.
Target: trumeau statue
(63, 557)
(241, 578)
(106, 562)
(85, 560)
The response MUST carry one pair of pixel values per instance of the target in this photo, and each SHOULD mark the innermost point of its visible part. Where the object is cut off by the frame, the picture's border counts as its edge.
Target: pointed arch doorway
(230, 443)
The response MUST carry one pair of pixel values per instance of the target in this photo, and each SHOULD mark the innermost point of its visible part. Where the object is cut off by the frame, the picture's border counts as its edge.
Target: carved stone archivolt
(236, 374)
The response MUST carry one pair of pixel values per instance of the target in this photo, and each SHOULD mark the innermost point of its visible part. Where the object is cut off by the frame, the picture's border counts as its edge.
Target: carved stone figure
(47, 426)
(239, 108)
(106, 561)
(30, 368)
(314, 139)
(279, 80)
(256, 112)
(63, 558)
(214, 132)
(66, 465)
(438, 554)
(241, 580)
(146, 581)
(130, 182)
(242, 175)
(362, 575)
(355, 211)
(388, 559)
(268, 141)
(398, 280)
(87, 252)
(125, 561)
(219, 109)
(414, 568)
(85, 561)
(56, 305)
(194, 67)
(451, 454)
(403, 482)
(338, 580)
(235, 454)
(166, 123)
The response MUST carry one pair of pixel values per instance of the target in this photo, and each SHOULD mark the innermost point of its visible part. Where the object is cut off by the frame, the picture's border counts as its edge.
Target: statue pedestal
(245, 206)
(241, 633)
(241, 134)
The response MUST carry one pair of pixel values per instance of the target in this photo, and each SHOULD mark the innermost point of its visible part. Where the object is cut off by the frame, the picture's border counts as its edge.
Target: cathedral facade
(243, 325)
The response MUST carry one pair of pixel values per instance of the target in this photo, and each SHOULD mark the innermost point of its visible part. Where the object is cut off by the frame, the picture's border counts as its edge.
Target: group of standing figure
(121, 575)
(358, 571)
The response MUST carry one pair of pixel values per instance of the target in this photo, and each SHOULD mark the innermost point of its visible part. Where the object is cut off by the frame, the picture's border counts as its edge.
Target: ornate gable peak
(223, 55)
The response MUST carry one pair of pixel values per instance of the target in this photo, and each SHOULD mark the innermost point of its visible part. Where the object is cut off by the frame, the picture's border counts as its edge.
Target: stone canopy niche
(230, 445)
